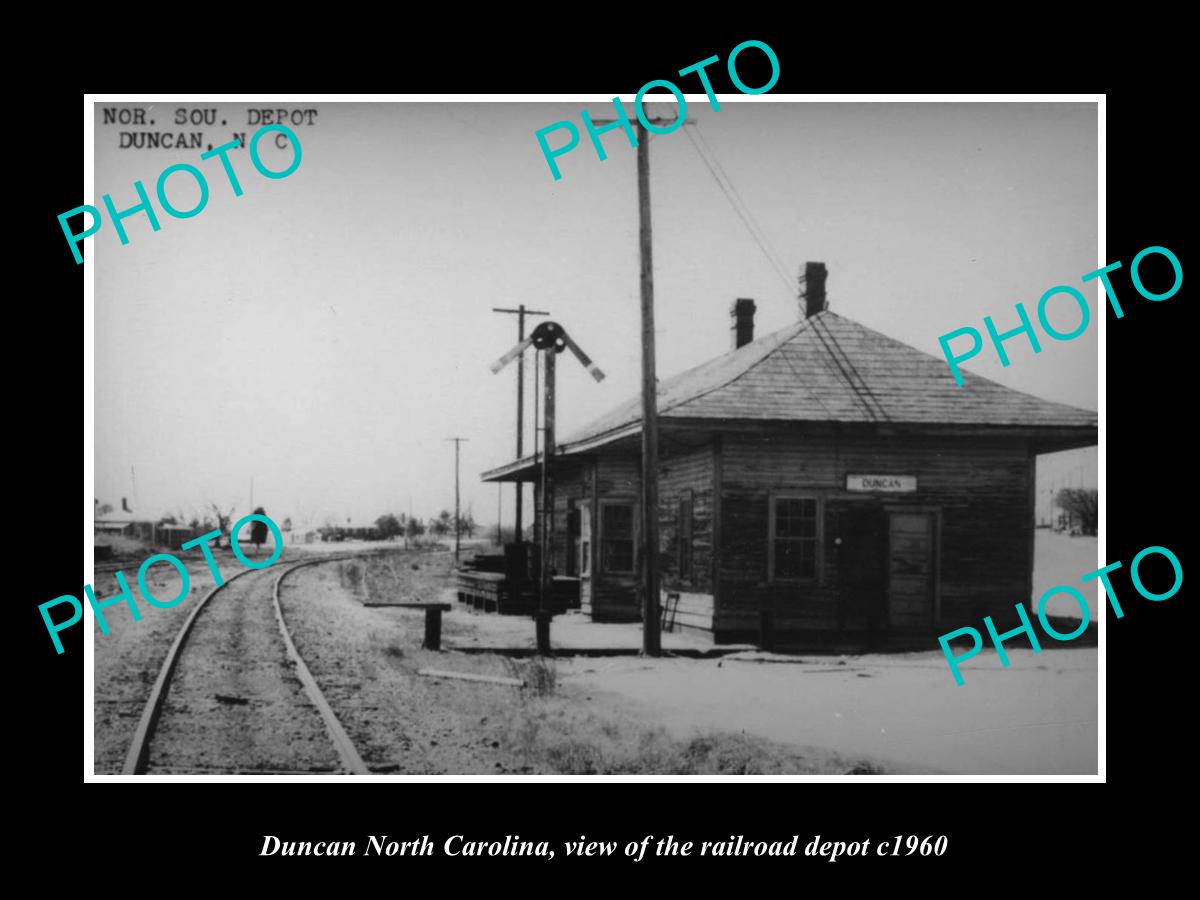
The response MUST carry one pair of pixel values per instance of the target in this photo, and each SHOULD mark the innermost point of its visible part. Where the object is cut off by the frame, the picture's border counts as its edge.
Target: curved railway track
(243, 700)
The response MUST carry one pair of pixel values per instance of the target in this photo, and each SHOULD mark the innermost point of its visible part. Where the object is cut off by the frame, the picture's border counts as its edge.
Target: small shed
(173, 536)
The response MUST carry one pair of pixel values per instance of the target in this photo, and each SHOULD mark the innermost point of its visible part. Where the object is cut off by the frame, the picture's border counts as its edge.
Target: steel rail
(138, 756)
(345, 747)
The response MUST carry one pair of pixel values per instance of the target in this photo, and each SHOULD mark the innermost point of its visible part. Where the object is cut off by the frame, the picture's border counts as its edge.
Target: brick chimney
(813, 294)
(741, 325)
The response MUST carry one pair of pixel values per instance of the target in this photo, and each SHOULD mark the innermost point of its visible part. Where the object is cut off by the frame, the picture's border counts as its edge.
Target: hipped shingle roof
(827, 368)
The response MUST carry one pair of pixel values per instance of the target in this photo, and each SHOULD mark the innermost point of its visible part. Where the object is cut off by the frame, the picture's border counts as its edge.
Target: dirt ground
(1062, 559)
(367, 659)
(745, 713)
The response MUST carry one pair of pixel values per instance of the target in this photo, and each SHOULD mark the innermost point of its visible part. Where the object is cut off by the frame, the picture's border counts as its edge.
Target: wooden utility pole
(457, 518)
(520, 312)
(651, 636)
(651, 626)
(546, 532)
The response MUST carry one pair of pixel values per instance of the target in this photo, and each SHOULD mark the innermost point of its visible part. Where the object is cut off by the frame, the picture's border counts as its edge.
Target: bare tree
(1082, 505)
(223, 519)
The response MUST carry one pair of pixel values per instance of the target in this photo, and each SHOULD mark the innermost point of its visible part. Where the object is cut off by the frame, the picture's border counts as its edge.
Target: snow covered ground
(1060, 559)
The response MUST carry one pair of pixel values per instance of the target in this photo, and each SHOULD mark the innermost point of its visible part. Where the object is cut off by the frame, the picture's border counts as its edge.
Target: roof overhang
(1042, 438)
(525, 469)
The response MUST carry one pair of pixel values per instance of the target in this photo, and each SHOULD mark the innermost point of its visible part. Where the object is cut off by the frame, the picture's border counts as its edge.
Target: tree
(414, 527)
(1081, 504)
(467, 525)
(258, 530)
(442, 524)
(389, 526)
(223, 520)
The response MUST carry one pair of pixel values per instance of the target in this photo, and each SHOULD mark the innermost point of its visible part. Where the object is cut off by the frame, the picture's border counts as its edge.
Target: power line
(800, 380)
(762, 231)
(850, 363)
(750, 228)
(845, 375)
(862, 391)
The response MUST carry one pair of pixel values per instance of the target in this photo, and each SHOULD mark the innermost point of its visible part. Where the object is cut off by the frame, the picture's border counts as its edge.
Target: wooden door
(856, 555)
(912, 558)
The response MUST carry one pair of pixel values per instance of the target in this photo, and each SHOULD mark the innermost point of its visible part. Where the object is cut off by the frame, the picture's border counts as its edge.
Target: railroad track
(242, 700)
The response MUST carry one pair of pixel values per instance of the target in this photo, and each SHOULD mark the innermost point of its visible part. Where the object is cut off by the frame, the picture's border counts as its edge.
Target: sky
(324, 334)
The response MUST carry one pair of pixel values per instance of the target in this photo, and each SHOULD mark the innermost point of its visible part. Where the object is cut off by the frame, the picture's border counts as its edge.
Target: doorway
(912, 569)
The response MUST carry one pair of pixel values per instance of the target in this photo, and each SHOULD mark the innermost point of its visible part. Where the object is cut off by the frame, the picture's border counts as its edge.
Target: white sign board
(888, 484)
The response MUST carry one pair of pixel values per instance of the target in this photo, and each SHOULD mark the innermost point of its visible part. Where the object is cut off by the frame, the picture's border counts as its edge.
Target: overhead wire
(733, 187)
(737, 209)
(860, 388)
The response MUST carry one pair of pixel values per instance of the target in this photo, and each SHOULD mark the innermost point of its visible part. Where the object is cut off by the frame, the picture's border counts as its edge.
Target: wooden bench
(433, 620)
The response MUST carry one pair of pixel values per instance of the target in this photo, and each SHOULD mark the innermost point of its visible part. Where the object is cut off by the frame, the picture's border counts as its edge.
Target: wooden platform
(496, 592)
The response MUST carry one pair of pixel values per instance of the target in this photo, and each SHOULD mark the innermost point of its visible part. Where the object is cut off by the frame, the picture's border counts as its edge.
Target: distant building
(126, 526)
(173, 536)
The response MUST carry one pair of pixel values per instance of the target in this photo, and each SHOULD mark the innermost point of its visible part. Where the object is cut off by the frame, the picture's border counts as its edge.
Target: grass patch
(405, 576)
(539, 674)
(564, 740)
(350, 574)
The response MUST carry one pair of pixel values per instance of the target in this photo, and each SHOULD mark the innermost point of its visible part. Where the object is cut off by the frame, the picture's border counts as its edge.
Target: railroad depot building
(827, 475)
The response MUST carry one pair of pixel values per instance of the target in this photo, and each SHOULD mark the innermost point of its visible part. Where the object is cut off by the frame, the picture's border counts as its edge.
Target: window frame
(574, 537)
(818, 576)
(585, 539)
(601, 537)
(686, 573)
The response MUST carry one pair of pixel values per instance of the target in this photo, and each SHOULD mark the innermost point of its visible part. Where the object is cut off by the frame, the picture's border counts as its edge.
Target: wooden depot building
(826, 478)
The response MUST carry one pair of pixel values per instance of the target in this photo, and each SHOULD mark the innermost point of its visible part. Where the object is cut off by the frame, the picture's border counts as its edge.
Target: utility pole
(651, 627)
(651, 638)
(251, 493)
(520, 312)
(546, 532)
(457, 518)
(550, 339)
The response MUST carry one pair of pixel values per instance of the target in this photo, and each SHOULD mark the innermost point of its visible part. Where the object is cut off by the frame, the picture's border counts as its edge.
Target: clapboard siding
(572, 486)
(693, 472)
(616, 597)
(607, 597)
(977, 488)
(979, 485)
